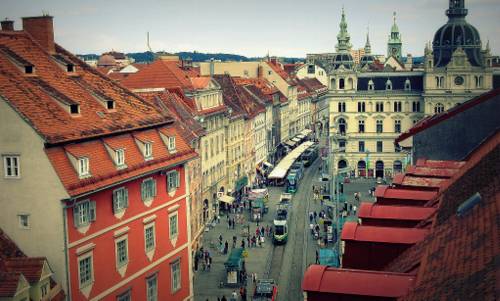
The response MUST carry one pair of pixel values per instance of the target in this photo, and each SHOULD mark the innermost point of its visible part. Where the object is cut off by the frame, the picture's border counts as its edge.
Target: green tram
(280, 235)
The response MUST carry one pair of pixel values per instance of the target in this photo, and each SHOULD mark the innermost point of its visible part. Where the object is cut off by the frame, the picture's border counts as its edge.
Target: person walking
(234, 241)
(223, 298)
(317, 257)
(234, 295)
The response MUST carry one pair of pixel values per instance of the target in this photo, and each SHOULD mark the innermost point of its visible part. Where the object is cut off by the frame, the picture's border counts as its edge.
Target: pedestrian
(354, 209)
(234, 241)
(229, 223)
(267, 230)
(262, 231)
(241, 292)
(234, 295)
(317, 257)
(257, 232)
(242, 243)
(248, 241)
(260, 241)
(223, 298)
(226, 247)
(315, 216)
(233, 223)
(244, 294)
(310, 217)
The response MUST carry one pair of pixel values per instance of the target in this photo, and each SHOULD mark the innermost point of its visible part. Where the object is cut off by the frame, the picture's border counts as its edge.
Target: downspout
(66, 253)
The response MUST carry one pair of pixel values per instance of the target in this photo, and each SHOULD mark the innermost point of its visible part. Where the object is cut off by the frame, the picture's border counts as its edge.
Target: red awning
(330, 280)
(372, 210)
(353, 231)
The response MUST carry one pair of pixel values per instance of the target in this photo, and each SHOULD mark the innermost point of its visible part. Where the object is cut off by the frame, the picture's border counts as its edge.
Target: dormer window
(110, 105)
(171, 144)
(388, 85)
(148, 150)
(407, 85)
(83, 167)
(120, 157)
(371, 85)
(74, 109)
(70, 68)
(29, 69)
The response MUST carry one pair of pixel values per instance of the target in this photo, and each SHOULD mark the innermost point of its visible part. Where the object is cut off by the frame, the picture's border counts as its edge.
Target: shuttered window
(120, 200)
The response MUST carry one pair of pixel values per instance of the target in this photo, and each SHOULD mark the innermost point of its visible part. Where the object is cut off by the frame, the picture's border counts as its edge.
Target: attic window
(407, 85)
(120, 157)
(371, 85)
(83, 167)
(70, 68)
(388, 85)
(110, 104)
(29, 69)
(171, 144)
(148, 150)
(74, 109)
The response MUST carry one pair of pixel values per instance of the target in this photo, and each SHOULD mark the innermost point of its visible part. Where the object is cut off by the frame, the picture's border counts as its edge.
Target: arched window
(439, 108)
(437, 81)
(407, 85)
(342, 126)
(371, 85)
(350, 84)
(332, 84)
(388, 85)
(341, 83)
(441, 82)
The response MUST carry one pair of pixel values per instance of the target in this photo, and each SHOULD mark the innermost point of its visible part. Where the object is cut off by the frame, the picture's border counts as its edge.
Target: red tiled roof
(192, 71)
(8, 247)
(159, 74)
(353, 231)
(387, 192)
(409, 181)
(439, 164)
(102, 168)
(313, 85)
(459, 259)
(30, 267)
(239, 98)
(430, 172)
(8, 284)
(318, 278)
(373, 210)
(281, 72)
(200, 82)
(438, 118)
(39, 98)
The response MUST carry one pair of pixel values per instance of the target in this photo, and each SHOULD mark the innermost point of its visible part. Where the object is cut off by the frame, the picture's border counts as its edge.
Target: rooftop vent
(470, 203)
(7, 25)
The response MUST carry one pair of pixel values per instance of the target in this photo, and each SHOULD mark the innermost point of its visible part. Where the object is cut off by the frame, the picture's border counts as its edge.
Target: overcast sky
(250, 27)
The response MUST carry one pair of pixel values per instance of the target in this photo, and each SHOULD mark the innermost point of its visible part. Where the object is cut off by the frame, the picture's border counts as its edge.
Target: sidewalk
(206, 283)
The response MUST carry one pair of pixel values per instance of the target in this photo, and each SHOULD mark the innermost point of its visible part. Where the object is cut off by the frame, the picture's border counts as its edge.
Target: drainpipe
(66, 253)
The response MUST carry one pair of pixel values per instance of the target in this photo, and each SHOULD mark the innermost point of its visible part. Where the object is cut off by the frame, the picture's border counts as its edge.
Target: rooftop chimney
(7, 25)
(42, 30)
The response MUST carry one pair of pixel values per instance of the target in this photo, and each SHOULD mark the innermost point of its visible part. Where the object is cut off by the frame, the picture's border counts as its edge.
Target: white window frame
(11, 171)
(20, 220)
(83, 166)
(146, 228)
(120, 157)
(175, 268)
(173, 235)
(173, 180)
(149, 196)
(84, 213)
(171, 143)
(120, 200)
(152, 288)
(91, 267)
(148, 150)
(120, 240)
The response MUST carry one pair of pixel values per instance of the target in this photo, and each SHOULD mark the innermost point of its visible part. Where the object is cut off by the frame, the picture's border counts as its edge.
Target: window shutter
(153, 186)
(115, 201)
(92, 211)
(125, 196)
(177, 182)
(76, 215)
(142, 190)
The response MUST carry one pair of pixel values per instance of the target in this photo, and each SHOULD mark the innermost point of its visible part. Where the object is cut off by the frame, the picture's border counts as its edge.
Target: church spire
(395, 44)
(368, 47)
(343, 37)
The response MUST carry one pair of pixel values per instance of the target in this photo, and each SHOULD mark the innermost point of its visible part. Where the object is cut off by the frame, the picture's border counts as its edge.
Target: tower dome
(456, 33)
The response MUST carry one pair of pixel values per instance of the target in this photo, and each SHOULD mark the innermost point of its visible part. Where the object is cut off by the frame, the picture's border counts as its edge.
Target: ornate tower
(457, 33)
(343, 37)
(395, 44)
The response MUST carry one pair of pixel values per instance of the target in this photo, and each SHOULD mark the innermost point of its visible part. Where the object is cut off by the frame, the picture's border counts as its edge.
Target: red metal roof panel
(405, 180)
(356, 282)
(384, 191)
(431, 172)
(439, 163)
(353, 231)
(372, 210)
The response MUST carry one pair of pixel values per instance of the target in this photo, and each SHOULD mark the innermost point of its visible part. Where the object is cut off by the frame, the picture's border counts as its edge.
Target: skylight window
(110, 105)
(74, 109)
(29, 69)
(70, 68)
(120, 157)
(83, 167)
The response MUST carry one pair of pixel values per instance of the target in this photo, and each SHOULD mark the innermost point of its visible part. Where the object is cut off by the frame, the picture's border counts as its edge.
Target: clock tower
(394, 45)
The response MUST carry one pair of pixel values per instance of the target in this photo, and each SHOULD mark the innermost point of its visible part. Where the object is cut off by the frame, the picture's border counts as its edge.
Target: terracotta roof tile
(238, 98)
(200, 82)
(40, 98)
(159, 74)
(101, 166)
(8, 247)
(30, 267)
(9, 283)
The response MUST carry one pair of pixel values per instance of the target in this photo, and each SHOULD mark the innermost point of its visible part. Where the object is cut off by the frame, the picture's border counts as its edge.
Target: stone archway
(361, 168)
